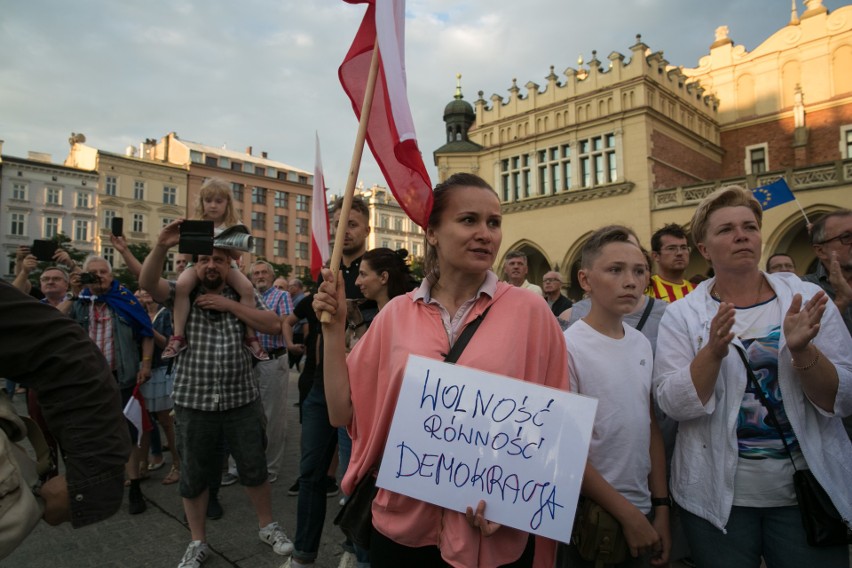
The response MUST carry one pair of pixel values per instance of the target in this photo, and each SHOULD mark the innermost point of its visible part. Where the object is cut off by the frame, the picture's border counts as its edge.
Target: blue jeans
(775, 533)
(344, 450)
(319, 439)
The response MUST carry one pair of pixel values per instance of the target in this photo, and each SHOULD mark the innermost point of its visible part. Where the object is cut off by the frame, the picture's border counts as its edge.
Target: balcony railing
(799, 179)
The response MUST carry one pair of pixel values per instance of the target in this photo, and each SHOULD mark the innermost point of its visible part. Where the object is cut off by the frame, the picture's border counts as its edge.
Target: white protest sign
(460, 435)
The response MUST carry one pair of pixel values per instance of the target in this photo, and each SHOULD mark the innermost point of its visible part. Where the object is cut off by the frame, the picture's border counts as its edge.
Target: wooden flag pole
(354, 167)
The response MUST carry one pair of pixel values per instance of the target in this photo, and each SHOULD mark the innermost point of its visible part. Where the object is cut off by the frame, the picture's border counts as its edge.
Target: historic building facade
(390, 226)
(635, 140)
(272, 199)
(39, 200)
(146, 194)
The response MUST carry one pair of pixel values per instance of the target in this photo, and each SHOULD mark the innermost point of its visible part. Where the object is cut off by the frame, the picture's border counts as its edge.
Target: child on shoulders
(215, 203)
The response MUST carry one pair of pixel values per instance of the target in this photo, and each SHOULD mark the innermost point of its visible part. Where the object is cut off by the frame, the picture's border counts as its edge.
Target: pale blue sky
(263, 73)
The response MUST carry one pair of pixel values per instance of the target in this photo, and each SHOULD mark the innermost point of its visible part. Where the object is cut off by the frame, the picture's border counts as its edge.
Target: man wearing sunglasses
(831, 237)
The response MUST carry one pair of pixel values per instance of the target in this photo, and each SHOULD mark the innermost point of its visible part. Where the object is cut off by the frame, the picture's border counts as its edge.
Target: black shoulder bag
(823, 524)
(355, 518)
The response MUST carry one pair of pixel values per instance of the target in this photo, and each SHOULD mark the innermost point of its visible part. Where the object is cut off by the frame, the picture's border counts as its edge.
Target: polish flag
(319, 219)
(137, 414)
(390, 131)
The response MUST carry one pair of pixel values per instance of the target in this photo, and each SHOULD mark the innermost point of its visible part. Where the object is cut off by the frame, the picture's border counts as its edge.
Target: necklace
(715, 292)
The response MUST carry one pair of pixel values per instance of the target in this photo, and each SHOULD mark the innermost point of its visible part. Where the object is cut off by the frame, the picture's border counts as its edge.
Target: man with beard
(671, 253)
(273, 375)
(215, 392)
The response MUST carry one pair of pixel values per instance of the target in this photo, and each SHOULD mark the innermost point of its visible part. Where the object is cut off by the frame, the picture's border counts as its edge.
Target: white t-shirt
(618, 373)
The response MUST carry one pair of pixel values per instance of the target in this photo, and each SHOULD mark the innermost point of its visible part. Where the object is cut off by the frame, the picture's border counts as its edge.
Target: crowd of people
(684, 455)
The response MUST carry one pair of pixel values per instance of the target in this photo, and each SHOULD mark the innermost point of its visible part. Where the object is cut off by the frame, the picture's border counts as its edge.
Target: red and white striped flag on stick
(376, 87)
(319, 219)
(390, 129)
(137, 414)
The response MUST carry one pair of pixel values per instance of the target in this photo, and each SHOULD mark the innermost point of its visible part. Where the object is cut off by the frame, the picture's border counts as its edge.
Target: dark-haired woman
(384, 275)
(462, 237)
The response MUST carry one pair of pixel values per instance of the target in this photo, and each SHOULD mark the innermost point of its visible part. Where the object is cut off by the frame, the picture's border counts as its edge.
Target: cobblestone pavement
(158, 537)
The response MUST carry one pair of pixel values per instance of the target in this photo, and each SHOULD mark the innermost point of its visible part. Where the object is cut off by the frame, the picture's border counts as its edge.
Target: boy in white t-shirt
(626, 471)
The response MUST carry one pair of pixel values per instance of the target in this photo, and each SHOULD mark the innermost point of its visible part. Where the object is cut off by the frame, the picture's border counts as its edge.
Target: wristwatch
(661, 501)
(69, 297)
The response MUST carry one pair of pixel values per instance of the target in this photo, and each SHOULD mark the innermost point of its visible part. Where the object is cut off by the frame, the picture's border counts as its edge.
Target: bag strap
(762, 396)
(464, 338)
(44, 461)
(645, 314)
(18, 427)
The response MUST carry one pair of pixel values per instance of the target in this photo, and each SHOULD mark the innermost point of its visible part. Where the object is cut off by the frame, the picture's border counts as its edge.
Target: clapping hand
(801, 323)
(842, 289)
(721, 327)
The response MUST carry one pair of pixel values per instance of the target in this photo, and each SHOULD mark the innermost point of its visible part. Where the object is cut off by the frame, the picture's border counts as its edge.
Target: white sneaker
(274, 536)
(195, 554)
(347, 560)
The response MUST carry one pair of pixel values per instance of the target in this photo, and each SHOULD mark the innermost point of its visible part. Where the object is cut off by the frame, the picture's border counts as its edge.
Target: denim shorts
(198, 439)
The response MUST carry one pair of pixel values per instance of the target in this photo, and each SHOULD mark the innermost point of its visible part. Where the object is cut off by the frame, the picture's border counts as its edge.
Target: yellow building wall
(643, 99)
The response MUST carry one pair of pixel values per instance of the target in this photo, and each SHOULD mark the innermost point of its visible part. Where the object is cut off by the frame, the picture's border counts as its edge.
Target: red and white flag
(137, 414)
(390, 131)
(319, 219)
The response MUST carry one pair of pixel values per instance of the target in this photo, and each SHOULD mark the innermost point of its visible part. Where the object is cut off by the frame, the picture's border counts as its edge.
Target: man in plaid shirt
(215, 392)
(273, 376)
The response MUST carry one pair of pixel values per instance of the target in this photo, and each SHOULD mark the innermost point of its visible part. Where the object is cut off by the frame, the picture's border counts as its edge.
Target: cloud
(263, 73)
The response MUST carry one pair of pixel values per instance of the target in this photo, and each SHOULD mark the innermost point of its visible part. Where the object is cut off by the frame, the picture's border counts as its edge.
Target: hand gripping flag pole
(354, 167)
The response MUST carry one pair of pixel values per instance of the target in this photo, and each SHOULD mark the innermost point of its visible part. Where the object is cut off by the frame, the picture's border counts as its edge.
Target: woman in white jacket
(731, 473)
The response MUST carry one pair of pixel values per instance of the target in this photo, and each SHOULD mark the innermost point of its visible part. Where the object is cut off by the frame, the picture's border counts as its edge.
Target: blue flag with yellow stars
(776, 193)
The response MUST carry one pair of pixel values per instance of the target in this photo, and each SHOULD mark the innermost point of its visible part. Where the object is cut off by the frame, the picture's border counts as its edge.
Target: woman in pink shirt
(519, 338)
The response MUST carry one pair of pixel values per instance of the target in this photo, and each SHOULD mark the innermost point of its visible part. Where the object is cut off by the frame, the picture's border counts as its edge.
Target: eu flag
(776, 193)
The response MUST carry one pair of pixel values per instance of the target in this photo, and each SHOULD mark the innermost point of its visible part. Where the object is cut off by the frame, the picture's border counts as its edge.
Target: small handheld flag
(319, 219)
(137, 414)
(774, 194)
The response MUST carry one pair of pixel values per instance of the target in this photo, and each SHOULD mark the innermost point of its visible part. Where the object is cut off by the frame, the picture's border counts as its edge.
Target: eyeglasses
(844, 238)
(552, 280)
(674, 249)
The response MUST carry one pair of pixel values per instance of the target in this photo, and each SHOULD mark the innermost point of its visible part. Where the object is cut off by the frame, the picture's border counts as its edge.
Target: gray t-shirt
(649, 330)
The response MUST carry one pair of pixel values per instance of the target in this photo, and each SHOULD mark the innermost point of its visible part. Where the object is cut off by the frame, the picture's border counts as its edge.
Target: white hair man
(273, 376)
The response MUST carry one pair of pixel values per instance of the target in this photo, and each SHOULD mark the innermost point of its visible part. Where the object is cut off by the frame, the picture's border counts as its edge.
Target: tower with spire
(459, 118)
